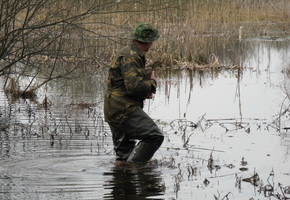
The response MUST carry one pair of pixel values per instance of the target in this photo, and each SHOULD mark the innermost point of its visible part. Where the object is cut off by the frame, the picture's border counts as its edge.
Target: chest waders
(141, 127)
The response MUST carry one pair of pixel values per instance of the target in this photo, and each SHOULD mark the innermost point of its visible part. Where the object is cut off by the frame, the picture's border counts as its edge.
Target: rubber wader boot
(142, 152)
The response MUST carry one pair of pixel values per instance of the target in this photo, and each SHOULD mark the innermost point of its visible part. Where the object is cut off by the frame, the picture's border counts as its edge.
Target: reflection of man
(127, 88)
(133, 182)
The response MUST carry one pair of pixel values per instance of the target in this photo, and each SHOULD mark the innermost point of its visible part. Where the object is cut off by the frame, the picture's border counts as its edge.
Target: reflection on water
(133, 181)
(209, 118)
(256, 92)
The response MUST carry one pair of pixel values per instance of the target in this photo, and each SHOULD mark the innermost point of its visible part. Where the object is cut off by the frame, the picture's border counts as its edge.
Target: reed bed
(95, 29)
(185, 25)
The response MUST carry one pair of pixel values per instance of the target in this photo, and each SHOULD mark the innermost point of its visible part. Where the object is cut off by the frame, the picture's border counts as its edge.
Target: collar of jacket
(137, 50)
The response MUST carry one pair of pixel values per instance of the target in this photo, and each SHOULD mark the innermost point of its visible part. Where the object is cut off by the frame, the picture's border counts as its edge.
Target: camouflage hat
(145, 33)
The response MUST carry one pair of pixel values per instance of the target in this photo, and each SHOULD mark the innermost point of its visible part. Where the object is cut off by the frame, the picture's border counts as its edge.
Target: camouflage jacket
(127, 85)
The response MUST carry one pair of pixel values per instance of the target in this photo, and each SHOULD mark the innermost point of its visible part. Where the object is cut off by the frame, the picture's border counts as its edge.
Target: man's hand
(149, 96)
(152, 76)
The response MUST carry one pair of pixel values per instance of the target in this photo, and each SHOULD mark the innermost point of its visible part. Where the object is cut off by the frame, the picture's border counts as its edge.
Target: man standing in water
(128, 86)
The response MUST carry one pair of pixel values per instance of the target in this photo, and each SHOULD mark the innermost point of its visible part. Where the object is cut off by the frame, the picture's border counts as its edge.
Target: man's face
(144, 47)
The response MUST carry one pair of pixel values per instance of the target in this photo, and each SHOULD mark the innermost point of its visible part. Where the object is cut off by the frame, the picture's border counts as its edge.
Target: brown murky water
(225, 136)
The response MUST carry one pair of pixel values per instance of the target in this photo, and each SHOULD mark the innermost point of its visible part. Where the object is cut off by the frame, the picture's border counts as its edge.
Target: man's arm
(134, 79)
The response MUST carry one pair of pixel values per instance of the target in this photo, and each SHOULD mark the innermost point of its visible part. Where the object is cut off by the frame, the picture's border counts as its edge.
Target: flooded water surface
(226, 135)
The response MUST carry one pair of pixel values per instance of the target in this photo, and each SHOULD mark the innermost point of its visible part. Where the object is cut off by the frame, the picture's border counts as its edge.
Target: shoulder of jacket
(128, 52)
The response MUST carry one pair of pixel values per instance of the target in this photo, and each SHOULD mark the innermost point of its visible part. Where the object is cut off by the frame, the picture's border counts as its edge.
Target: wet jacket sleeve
(135, 78)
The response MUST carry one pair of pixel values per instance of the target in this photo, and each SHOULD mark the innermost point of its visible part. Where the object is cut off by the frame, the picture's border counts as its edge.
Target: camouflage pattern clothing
(127, 85)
